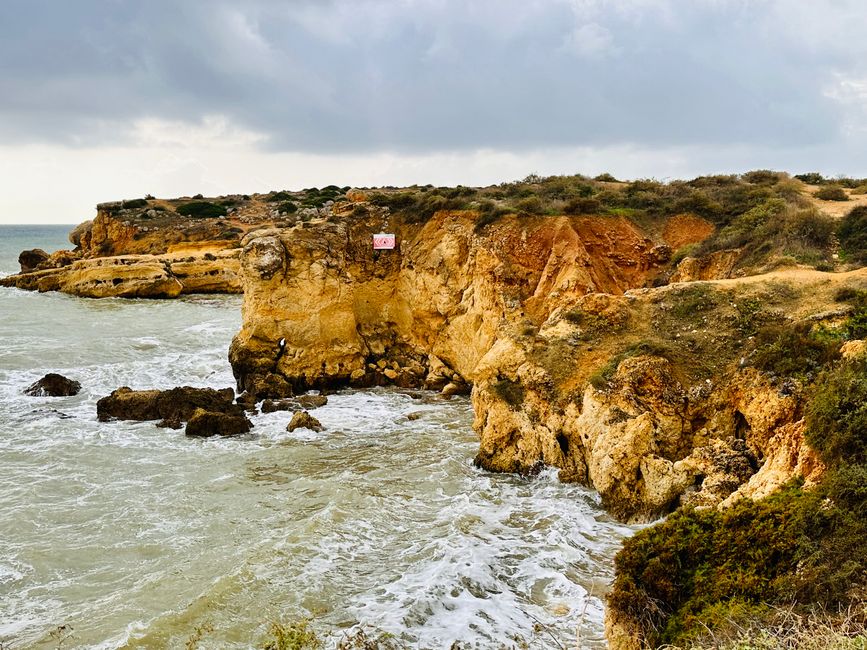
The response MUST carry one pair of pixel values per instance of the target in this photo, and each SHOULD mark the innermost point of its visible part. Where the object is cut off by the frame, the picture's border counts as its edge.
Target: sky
(108, 99)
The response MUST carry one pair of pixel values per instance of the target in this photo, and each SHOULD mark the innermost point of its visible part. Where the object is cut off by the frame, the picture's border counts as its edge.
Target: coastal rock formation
(53, 385)
(573, 360)
(303, 420)
(145, 249)
(31, 259)
(203, 424)
(171, 406)
(137, 276)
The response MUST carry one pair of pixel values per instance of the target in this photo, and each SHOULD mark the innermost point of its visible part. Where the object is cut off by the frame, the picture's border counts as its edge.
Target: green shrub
(288, 207)
(275, 197)
(531, 205)
(762, 177)
(793, 350)
(832, 193)
(811, 178)
(853, 234)
(837, 414)
(582, 206)
(134, 203)
(606, 178)
(201, 210)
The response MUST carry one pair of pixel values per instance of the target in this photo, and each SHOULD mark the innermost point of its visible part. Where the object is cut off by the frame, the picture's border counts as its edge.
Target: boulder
(204, 423)
(274, 405)
(53, 385)
(303, 420)
(312, 401)
(455, 388)
(30, 259)
(176, 404)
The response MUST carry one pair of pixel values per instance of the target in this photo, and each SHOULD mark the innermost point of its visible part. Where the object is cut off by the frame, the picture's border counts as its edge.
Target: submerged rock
(210, 423)
(312, 401)
(303, 420)
(53, 385)
(176, 404)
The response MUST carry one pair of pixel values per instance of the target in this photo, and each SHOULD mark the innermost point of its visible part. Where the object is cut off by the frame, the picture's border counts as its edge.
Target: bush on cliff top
(853, 234)
(700, 568)
(201, 210)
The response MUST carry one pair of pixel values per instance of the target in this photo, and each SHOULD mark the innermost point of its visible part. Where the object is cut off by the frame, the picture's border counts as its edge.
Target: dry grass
(789, 630)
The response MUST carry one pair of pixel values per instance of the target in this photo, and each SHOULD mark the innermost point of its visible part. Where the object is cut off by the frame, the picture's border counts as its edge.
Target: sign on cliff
(383, 241)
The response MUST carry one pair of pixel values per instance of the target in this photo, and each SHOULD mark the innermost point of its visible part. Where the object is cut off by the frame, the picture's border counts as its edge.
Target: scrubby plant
(762, 177)
(134, 203)
(201, 210)
(277, 197)
(605, 178)
(297, 635)
(831, 193)
(853, 234)
(811, 178)
(793, 350)
(288, 207)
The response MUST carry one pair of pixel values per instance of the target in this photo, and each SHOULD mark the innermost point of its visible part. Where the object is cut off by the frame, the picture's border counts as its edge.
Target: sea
(126, 535)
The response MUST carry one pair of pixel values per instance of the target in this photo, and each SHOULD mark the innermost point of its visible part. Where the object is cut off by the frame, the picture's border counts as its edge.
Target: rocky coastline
(638, 356)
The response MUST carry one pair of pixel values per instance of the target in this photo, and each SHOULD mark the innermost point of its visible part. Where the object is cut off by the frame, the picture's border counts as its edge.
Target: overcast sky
(111, 99)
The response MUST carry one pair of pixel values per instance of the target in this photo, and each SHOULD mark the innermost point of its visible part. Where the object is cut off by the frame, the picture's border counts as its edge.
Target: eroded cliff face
(545, 320)
(444, 297)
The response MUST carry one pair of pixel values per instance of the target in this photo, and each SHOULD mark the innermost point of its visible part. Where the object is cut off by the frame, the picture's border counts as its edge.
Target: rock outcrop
(171, 407)
(53, 385)
(144, 249)
(29, 260)
(204, 424)
(303, 420)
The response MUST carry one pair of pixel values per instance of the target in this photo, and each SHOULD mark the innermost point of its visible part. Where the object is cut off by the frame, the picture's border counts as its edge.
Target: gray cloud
(432, 75)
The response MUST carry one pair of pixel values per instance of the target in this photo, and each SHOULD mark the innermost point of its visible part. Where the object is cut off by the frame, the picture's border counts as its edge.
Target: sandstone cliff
(643, 393)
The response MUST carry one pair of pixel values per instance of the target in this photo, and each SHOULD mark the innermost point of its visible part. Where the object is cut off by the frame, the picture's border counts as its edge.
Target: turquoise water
(124, 535)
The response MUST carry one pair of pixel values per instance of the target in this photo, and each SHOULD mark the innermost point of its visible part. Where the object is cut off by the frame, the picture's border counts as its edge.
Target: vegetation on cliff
(709, 570)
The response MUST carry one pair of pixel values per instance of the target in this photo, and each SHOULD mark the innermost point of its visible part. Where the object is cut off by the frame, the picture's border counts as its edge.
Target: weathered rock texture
(137, 276)
(53, 385)
(642, 393)
(172, 406)
(204, 424)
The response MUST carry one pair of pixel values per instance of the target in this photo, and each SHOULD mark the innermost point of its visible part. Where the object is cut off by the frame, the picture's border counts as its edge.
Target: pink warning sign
(383, 241)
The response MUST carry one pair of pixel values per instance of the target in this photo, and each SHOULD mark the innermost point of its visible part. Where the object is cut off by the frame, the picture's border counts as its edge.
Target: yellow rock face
(138, 276)
(524, 311)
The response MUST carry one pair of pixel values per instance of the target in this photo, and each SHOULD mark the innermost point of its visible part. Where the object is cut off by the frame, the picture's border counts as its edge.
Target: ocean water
(124, 535)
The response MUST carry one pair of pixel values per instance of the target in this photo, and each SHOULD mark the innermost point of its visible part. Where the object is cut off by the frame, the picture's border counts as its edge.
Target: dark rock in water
(312, 401)
(247, 400)
(302, 419)
(168, 405)
(172, 423)
(274, 405)
(415, 415)
(209, 423)
(53, 385)
(29, 260)
(270, 385)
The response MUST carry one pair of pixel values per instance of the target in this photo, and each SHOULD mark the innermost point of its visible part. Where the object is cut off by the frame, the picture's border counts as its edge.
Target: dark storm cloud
(426, 75)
